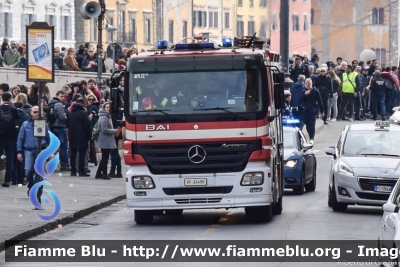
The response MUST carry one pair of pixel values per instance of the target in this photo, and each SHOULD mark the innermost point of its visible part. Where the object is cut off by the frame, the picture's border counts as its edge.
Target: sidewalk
(79, 197)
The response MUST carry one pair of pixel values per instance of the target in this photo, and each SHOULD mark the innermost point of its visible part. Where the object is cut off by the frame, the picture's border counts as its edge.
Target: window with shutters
(274, 23)
(184, 29)
(93, 29)
(211, 19)
(378, 16)
(381, 19)
(194, 22)
(147, 31)
(204, 14)
(226, 20)
(263, 3)
(200, 18)
(171, 31)
(251, 3)
(215, 19)
(305, 26)
(240, 2)
(240, 29)
(6, 22)
(295, 23)
(67, 25)
(375, 16)
(132, 32)
(312, 15)
(250, 28)
(121, 26)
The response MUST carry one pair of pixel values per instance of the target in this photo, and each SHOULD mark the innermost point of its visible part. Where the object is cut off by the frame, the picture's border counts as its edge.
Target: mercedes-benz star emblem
(197, 154)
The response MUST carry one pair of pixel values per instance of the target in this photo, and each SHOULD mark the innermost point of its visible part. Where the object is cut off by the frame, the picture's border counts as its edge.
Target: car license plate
(381, 188)
(195, 182)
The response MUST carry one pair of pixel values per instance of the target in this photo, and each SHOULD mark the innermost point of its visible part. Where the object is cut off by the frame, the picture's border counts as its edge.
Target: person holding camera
(299, 68)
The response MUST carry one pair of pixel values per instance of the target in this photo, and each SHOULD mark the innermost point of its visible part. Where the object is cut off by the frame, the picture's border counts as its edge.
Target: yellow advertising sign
(40, 55)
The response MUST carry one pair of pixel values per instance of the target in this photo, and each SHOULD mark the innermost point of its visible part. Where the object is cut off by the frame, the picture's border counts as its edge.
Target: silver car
(365, 165)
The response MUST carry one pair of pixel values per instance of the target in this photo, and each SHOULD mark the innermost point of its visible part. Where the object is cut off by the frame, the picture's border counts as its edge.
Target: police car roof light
(292, 121)
(161, 44)
(196, 46)
(227, 42)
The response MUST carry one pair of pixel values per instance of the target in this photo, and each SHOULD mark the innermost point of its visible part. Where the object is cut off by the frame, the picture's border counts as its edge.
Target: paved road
(303, 217)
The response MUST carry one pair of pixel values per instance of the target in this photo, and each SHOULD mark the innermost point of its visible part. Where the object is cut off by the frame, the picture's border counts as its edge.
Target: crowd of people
(341, 91)
(13, 55)
(72, 115)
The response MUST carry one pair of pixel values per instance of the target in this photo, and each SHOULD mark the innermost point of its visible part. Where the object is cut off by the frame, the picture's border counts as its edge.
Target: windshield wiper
(163, 111)
(387, 155)
(224, 109)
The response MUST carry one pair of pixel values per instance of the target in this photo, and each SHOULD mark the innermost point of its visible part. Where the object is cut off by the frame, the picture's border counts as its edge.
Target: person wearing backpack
(56, 119)
(8, 134)
(106, 140)
(18, 166)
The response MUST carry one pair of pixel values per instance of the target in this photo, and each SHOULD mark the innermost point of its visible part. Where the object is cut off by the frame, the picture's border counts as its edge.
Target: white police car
(365, 165)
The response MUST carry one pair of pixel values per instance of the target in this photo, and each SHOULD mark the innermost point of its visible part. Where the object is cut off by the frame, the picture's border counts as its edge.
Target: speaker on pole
(90, 10)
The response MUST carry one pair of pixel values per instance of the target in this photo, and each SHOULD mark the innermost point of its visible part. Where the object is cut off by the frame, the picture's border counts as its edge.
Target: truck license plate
(195, 182)
(381, 188)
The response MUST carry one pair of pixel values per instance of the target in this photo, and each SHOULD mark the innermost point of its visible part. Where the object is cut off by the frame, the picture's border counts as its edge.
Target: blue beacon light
(227, 42)
(161, 44)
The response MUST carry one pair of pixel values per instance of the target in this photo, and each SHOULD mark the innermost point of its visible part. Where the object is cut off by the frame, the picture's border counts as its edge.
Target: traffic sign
(118, 50)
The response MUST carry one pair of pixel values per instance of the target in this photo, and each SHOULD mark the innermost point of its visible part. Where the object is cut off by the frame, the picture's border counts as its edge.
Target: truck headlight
(143, 182)
(291, 163)
(345, 169)
(252, 178)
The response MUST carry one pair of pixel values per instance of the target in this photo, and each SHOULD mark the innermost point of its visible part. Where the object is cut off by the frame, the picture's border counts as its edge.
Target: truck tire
(335, 205)
(174, 212)
(277, 209)
(259, 214)
(143, 216)
(310, 187)
(300, 189)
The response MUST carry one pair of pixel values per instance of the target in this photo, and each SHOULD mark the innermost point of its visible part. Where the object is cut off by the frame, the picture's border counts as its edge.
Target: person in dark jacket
(93, 113)
(324, 85)
(296, 90)
(18, 166)
(311, 101)
(79, 127)
(8, 134)
(298, 68)
(89, 62)
(79, 56)
(58, 60)
(378, 93)
(106, 140)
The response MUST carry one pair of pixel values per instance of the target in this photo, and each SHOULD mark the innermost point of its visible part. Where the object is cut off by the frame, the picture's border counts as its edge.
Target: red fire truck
(203, 128)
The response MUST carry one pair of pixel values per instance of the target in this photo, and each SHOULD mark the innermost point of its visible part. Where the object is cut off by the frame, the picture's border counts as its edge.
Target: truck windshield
(195, 92)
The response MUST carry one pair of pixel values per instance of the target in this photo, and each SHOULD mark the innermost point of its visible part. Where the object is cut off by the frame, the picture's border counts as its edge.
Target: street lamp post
(284, 44)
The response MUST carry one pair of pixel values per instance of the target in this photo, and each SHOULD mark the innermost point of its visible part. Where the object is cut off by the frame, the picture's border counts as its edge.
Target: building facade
(174, 20)
(299, 26)
(16, 14)
(346, 27)
(252, 16)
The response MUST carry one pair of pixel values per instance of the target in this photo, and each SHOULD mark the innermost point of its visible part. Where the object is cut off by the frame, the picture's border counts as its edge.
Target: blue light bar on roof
(198, 46)
(227, 42)
(161, 44)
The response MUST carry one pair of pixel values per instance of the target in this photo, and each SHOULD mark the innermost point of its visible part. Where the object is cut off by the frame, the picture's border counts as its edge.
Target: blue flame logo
(40, 166)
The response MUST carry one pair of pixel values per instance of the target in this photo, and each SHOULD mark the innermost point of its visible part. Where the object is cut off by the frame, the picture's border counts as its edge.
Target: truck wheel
(174, 212)
(143, 216)
(310, 187)
(259, 214)
(277, 209)
(335, 205)
(300, 189)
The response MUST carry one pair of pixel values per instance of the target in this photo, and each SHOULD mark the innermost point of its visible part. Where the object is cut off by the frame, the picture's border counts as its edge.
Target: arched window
(375, 16)
(312, 15)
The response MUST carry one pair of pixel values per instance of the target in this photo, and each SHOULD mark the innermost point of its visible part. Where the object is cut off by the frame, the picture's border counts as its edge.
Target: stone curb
(63, 221)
